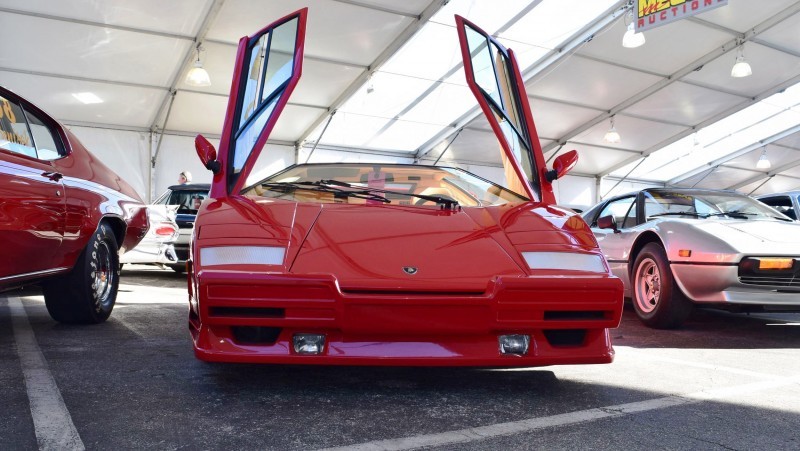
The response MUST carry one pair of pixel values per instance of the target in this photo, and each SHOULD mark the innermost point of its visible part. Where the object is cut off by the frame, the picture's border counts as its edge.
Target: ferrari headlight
(565, 260)
(242, 255)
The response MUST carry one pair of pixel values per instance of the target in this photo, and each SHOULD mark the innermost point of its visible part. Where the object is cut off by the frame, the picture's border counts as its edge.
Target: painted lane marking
(581, 416)
(51, 420)
(647, 354)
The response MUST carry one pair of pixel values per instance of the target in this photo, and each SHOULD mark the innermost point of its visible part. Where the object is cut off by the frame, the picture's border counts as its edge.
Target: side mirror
(607, 222)
(563, 164)
(207, 154)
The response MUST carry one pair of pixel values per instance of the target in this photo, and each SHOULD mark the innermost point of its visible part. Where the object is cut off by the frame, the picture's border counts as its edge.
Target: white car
(676, 248)
(158, 246)
(787, 203)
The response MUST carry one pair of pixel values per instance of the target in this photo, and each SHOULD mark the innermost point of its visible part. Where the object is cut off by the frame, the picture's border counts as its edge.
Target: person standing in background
(184, 178)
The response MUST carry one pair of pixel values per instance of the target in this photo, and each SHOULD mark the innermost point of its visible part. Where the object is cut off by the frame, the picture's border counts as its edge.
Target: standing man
(184, 178)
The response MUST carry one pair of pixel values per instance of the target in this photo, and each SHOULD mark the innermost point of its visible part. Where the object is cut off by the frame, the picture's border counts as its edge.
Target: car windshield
(187, 201)
(701, 204)
(384, 184)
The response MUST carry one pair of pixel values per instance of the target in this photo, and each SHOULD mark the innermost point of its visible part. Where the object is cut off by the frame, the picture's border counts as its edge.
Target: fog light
(514, 344)
(308, 344)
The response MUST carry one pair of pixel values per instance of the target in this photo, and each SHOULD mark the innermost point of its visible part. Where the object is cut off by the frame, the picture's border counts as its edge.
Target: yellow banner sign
(654, 13)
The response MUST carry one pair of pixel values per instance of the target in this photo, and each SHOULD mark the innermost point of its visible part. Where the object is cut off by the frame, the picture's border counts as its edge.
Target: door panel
(32, 215)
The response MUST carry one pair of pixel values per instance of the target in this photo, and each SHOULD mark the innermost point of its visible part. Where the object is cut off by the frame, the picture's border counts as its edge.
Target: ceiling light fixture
(197, 75)
(87, 98)
(631, 39)
(741, 68)
(612, 136)
(763, 161)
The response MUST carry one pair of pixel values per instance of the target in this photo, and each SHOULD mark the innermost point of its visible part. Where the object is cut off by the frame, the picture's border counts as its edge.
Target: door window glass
(270, 65)
(619, 208)
(46, 142)
(492, 71)
(14, 133)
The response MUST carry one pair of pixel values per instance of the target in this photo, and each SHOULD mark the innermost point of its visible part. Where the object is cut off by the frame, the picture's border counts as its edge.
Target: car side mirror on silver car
(608, 222)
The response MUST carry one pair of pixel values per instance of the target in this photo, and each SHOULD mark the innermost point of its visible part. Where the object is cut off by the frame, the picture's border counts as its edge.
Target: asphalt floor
(724, 381)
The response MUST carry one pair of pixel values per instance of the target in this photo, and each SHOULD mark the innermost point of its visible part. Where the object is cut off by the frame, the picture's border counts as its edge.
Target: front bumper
(720, 284)
(567, 319)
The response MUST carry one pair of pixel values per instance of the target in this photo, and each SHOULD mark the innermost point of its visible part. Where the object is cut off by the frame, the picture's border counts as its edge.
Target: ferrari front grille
(750, 273)
(774, 281)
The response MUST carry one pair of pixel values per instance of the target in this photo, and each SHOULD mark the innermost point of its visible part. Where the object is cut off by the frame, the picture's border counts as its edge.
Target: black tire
(657, 299)
(87, 293)
(179, 268)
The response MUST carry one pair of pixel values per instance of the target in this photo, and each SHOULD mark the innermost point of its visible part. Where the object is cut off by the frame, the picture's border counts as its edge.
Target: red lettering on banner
(707, 2)
(695, 5)
(663, 15)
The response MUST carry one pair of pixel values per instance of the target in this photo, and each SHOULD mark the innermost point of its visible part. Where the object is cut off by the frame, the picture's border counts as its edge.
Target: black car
(187, 198)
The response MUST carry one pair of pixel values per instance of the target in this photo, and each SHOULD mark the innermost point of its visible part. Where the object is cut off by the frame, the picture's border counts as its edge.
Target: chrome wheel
(648, 285)
(103, 274)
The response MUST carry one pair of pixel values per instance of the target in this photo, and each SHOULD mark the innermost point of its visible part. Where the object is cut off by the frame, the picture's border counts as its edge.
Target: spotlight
(198, 76)
(741, 68)
(631, 39)
(612, 136)
(763, 161)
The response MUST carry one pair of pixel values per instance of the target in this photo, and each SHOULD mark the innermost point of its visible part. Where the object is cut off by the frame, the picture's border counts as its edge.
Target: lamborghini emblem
(410, 270)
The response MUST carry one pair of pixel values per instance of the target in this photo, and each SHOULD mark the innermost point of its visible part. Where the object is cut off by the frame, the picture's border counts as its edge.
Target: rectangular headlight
(565, 260)
(242, 255)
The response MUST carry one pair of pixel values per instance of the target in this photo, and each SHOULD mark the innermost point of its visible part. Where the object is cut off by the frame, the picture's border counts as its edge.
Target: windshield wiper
(446, 203)
(325, 187)
(677, 213)
(733, 214)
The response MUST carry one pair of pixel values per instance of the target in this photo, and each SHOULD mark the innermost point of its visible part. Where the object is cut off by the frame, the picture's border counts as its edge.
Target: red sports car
(391, 264)
(64, 216)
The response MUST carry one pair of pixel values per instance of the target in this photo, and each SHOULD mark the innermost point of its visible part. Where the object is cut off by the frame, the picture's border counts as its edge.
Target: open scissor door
(268, 67)
(495, 80)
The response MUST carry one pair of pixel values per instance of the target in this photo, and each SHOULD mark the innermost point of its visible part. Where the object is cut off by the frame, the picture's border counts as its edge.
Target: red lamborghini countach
(391, 264)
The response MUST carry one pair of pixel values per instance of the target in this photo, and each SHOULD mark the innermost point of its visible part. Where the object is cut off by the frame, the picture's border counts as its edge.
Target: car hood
(770, 231)
(403, 249)
(394, 247)
(743, 237)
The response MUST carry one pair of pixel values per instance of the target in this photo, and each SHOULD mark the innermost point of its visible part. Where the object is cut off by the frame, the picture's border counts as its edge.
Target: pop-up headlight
(242, 255)
(565, 260)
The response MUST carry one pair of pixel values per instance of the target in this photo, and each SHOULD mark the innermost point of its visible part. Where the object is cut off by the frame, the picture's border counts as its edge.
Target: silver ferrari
(676, 248)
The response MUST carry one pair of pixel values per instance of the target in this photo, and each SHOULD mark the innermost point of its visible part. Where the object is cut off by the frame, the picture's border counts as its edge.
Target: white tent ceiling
(673, 100)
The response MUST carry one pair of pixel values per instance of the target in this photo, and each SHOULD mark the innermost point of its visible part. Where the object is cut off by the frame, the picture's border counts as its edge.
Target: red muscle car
(64, 216)
(390, 264)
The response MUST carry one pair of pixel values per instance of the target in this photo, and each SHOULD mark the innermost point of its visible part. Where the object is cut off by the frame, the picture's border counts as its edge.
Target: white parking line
(51, 420)
(647, 354)
(581, 416)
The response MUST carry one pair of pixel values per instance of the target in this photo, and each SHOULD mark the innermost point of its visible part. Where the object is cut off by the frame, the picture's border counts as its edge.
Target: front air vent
(246, 312)
(255, 335)
(577, 315)
(561, 338)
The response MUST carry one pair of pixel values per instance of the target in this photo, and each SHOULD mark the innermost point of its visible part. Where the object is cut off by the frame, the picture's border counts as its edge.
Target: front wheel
(87, 293)
(657, 299)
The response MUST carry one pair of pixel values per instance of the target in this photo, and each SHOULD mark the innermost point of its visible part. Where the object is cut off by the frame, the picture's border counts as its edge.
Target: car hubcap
(103, 275)
(648, 286)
